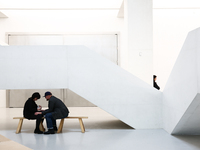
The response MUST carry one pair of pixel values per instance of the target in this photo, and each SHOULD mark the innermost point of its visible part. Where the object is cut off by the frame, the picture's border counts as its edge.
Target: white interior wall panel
(86, 73)
(181, 94)
(32, 67)
(104, 44)
(35, 40)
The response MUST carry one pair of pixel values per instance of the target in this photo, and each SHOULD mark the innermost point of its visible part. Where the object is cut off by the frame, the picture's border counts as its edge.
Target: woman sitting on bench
(30, 108)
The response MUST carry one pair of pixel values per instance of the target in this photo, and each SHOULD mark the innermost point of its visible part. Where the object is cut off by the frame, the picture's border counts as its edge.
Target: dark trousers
(38, 119)
(51, 122)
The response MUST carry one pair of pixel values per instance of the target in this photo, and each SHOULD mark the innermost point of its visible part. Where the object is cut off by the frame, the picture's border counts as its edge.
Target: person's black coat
(155, 85)
(30, 107)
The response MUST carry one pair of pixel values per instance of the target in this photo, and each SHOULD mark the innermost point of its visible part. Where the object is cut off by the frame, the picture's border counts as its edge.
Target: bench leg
(19, 126)
(82, 125)
(41, 127)
(61, 125)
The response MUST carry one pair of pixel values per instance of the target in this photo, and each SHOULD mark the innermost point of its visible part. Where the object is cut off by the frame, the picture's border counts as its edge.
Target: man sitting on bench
(57, 110)
(30, 108)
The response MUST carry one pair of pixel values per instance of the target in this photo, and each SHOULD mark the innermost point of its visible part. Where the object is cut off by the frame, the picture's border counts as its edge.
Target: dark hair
(154, 76)
(36, 95)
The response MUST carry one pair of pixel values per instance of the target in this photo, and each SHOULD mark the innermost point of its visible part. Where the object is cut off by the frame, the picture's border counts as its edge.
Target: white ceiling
(91, 3)
(56, 7)
(60, 3)
(110, 7)
(176, 3)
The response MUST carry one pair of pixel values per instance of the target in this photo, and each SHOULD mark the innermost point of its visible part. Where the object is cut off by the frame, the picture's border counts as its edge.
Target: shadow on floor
(108, 124)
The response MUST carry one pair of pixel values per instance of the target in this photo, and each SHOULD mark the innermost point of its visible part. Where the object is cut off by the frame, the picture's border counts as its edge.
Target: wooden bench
(19, 127)
(80, 121)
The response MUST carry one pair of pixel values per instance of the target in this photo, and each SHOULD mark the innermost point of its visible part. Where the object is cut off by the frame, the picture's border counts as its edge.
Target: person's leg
(54, 124)
(38, 119)
(49, 120)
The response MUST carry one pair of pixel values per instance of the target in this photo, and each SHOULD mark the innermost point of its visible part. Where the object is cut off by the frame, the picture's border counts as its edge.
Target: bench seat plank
(19, 127)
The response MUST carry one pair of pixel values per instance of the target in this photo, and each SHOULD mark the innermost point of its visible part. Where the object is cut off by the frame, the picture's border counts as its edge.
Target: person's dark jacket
(57, 108)
(155, 85)
(30, 107)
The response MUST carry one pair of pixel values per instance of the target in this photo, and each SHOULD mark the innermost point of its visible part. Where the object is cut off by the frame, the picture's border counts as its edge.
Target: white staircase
(86, 73)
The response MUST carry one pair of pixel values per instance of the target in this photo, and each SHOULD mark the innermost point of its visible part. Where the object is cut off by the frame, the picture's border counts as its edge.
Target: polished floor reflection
(103, 132)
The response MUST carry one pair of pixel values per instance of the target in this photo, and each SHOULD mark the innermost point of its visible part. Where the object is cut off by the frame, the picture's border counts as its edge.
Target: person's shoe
(50, 131)
(38, 132)
(55, 129)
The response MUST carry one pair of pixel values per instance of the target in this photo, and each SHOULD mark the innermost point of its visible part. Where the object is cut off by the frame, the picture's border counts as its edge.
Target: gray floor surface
(103, 132)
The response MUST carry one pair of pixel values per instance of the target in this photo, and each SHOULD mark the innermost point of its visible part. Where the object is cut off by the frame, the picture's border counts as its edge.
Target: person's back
(57, 107)
(30, 108)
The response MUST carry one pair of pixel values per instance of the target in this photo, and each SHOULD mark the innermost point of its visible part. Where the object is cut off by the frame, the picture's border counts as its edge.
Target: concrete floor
(103, 132)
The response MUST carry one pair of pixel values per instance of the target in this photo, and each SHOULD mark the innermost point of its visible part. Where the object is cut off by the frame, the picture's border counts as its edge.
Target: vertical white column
(139, 32)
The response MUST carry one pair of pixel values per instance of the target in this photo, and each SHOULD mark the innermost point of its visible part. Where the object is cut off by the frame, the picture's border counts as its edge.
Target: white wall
(138, 25)
(65, 22)
(171, 27)
(76, 21)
